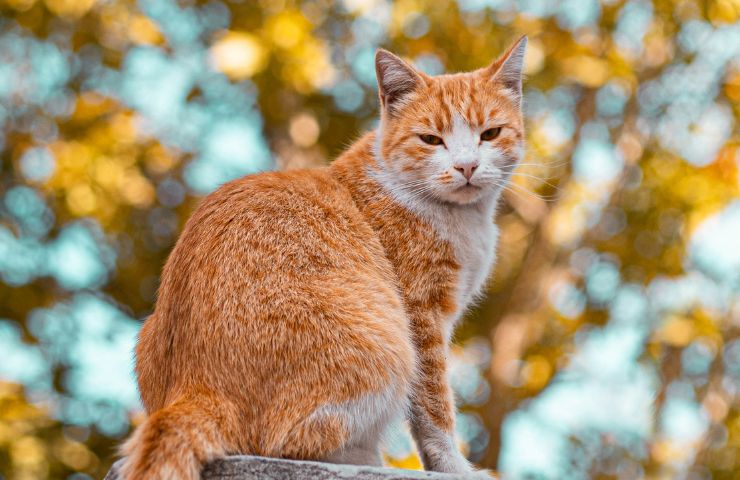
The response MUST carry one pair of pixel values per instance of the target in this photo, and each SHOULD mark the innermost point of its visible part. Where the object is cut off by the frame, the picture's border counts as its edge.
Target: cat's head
(453, 138)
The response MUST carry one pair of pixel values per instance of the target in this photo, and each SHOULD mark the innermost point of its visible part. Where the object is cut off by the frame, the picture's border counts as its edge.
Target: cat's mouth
(468, 187)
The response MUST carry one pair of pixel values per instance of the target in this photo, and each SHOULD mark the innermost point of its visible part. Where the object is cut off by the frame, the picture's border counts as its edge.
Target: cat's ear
(396, 79)
(507, 69)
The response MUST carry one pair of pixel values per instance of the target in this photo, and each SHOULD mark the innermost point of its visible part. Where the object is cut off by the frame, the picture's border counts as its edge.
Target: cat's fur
(300, 312)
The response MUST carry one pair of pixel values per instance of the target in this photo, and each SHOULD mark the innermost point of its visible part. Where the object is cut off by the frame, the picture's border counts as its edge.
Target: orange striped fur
(300, 312)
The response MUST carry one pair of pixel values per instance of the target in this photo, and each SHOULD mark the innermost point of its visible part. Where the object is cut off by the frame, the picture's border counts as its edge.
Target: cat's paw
(482, 475)
(460, 468)
(453, 462)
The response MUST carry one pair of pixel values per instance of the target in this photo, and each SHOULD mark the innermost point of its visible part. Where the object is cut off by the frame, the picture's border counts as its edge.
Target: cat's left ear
(507, 69)
(396, 79)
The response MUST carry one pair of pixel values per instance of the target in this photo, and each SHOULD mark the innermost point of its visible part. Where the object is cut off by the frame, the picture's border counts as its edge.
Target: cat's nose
(467, 169)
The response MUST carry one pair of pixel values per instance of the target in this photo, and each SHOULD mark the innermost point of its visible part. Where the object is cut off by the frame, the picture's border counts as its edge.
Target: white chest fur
(471, 231)
(473, 235)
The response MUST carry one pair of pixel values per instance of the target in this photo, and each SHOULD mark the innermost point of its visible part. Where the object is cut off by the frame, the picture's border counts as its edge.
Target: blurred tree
(608, 344)
(33, 446)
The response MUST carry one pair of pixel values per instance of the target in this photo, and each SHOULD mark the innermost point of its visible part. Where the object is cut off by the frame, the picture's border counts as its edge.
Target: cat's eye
(490, 134)
(431, 139)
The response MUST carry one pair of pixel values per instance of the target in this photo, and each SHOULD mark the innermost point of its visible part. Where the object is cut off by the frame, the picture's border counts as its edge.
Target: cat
(302, 311)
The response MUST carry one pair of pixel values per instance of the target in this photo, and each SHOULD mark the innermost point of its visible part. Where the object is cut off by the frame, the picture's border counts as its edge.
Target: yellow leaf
(71, 9)
(288, 29)
(676, 331)
(143, 31)
(589, 71)
(536, 372)
(412, 462)
(238, 55)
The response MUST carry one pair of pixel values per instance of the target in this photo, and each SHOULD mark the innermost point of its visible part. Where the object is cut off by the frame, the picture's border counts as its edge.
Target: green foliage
(607, 345)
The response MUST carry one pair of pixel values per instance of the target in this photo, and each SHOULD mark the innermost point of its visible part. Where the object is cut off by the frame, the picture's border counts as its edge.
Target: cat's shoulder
(276, 188)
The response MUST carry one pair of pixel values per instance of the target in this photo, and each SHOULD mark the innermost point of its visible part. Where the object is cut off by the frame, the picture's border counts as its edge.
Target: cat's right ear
(507, 70)
(396, 79)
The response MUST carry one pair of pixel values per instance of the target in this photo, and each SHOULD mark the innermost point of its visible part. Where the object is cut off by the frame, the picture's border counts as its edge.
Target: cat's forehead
(467, 96)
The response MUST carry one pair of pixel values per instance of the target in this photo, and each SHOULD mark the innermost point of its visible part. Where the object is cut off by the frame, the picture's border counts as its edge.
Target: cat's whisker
(517, 193)
(420, 183)
(537, 173)
(416, 187)
(535, 177)
(514, 192)
(546, 198)
(543, 165)
(421, 193)
(522, 190)
(416, 182)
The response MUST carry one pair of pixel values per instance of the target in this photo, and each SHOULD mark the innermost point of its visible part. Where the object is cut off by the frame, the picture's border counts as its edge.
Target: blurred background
(608, 345)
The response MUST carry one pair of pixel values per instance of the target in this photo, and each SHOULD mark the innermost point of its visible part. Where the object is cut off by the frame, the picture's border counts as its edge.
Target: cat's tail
(174, 442)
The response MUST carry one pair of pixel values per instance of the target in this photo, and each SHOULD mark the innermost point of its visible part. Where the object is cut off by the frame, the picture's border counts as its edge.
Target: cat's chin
(467, 195)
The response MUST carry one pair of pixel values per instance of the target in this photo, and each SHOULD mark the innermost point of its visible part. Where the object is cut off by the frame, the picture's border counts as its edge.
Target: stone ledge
(261, 468)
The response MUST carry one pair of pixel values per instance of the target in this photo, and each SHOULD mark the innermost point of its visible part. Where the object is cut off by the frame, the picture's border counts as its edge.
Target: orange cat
(300, 312)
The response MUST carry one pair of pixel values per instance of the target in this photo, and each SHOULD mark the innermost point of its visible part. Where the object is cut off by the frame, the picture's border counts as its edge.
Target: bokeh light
(608, 343)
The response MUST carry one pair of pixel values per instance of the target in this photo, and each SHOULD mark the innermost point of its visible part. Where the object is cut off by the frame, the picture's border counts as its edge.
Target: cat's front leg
(436, 443)
(432, 405)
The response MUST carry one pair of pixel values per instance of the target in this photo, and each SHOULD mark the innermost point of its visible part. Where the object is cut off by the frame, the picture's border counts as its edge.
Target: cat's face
(452, 138)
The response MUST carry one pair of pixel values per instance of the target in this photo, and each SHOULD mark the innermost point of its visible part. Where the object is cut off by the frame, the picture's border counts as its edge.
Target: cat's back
(275, 259)
(301, 219)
